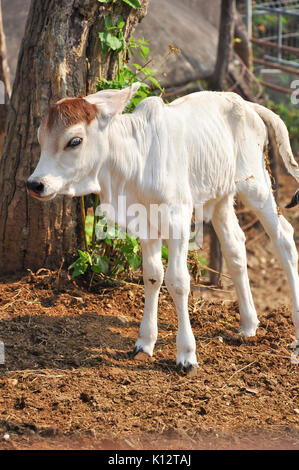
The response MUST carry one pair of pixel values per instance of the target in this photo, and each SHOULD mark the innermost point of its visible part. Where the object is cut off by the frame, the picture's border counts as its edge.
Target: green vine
(118, 252)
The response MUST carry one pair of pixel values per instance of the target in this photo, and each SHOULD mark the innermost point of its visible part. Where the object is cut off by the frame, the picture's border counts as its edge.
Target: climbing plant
(117, 254)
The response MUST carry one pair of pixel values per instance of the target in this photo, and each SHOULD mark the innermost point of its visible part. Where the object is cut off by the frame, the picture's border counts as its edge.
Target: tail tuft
(294, 201)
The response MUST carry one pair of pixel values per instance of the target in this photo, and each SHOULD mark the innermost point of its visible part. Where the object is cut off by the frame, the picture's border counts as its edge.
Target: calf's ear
(112, 102)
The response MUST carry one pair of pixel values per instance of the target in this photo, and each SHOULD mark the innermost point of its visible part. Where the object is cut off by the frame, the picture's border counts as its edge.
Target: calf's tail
(280, 136)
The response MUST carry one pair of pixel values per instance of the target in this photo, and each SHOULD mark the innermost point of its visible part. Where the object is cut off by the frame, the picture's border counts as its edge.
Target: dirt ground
(69, 382)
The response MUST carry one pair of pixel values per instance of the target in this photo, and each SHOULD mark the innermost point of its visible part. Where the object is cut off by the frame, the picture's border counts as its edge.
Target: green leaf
(125, 249)
(104, 1)
(84, 256)
(110, 41)
(148, 71)
(156, 83)
(108, 24)
(133, 3)
(79, 267)
(111, 232)
(203, 261)
(120, 23)
(165, 252)
(145, 51)
(108, 241)
(89, 225)
(101, 265)
(134, 261)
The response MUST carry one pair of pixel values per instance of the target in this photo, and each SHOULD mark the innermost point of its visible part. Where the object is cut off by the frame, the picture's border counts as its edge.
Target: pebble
(254, 391)
(122, 320)
(6, 437)
(12, 382)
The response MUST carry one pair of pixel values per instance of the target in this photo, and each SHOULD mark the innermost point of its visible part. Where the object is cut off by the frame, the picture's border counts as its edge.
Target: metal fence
(274, 30)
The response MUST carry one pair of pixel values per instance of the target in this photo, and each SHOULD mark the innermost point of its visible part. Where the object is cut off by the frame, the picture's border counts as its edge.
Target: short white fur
(203, 148)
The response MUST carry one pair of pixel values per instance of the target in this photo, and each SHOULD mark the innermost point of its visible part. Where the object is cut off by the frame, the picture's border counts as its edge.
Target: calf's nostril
(35, 186)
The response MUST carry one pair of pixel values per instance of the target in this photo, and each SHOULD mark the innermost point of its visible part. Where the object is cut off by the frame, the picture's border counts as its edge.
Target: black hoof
(135, 352)
(188, 369)
(294, 201)
(139, 354)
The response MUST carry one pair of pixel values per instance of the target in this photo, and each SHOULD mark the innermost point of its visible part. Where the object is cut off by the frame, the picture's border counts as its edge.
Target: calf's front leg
(177, 281)
(153, 273)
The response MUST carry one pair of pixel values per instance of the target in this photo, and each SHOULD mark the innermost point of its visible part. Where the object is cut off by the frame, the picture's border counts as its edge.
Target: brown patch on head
(70, 111)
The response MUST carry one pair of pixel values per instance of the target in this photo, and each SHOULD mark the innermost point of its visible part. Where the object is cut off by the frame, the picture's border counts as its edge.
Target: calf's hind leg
(232, 240)
(281, 234)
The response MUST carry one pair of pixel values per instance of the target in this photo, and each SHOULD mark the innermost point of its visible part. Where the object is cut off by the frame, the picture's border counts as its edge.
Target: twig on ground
(236, 372)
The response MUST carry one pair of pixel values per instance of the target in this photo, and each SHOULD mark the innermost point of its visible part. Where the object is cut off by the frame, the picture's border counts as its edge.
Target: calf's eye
(74, 142)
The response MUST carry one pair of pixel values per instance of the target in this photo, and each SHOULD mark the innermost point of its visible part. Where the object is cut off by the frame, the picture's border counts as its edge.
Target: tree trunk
(4, 69)
(243, 48)
(224, 54)
(4, 82)
(60, 56)
(225, 44)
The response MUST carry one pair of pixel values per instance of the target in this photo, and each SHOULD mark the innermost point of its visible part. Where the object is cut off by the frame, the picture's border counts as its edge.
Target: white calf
(201, 149)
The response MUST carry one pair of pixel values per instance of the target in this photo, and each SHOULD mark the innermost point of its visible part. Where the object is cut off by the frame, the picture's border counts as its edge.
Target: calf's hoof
(188, 369)
(248, 331)
(295, 344)
(140, 355)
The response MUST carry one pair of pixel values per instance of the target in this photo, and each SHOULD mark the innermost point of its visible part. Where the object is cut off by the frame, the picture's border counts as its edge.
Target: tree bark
(4, 69)
(225, 44)
(4, 82)
(243, 48)
(224, 54)
(60, 56)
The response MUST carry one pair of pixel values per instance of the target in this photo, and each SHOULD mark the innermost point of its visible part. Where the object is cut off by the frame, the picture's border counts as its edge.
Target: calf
(203, 149)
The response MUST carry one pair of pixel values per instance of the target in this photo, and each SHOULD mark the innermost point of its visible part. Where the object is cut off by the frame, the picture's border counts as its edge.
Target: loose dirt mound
(69, 382)
(68, 373)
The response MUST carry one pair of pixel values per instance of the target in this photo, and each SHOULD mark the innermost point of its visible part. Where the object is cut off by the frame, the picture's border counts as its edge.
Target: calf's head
(74, 142)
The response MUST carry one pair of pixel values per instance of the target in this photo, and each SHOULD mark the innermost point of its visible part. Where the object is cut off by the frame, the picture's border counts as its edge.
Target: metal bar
(284, 36)
(290, 3)
(277, 10)
(248, 18)
(276, 66)
(276, 87)
(279, 32)
(282, 61)
(273, 45)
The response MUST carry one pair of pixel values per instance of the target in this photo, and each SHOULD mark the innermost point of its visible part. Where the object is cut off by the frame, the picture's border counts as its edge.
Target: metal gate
(275, 30)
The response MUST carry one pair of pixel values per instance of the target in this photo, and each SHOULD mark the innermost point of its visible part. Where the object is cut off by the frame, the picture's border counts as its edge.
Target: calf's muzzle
(35, 187)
